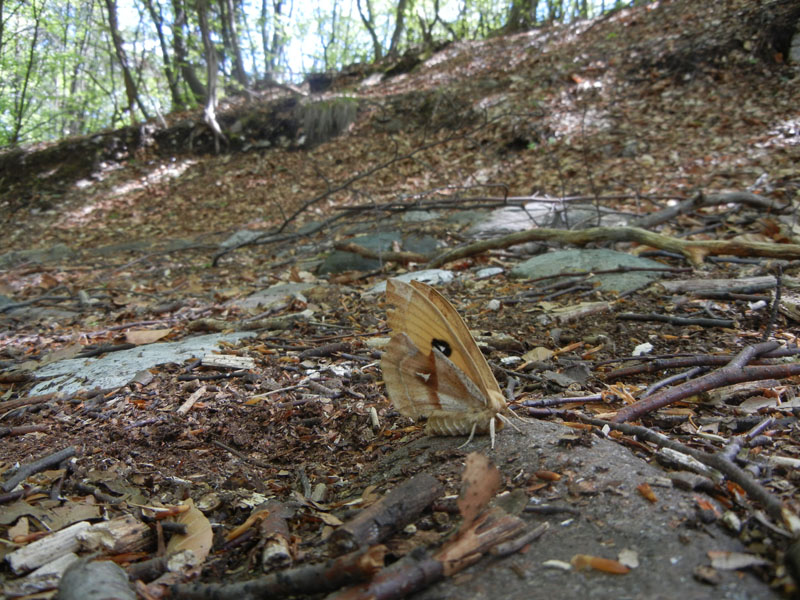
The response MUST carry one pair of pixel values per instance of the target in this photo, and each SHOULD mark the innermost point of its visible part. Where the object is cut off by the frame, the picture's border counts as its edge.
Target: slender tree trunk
(278, 34)
(399, 26)
(130, 85)
(232, 44)
(212, 65)
(369, 22)
(181, 59)
(21, 100)
(172, 80)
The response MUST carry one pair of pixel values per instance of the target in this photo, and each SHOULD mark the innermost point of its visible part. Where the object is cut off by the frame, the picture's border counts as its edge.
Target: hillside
(680, 118)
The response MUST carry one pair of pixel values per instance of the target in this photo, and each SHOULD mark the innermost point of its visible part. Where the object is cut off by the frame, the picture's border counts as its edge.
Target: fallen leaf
(605, 565)
(198, 535)
(146, 336)
(480, 483)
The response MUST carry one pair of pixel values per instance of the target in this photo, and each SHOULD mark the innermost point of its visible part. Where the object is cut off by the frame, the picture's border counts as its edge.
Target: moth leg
(492, 430)
(472, 435)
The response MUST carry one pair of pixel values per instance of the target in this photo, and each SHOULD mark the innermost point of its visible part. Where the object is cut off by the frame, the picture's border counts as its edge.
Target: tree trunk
(172, 80)
(521, 15)
(231, 38)
(399, 26)
(210, 109)
(181, 60)
(369, 23)
(130, 84)
(21, 100)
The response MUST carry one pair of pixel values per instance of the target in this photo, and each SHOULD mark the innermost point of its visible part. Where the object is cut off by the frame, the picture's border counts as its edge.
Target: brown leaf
(198, 536)
(606, 565)
(479, 485)
(146, 336)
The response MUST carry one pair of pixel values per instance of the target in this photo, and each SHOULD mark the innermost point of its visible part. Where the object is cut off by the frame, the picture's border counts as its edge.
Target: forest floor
(625, 116)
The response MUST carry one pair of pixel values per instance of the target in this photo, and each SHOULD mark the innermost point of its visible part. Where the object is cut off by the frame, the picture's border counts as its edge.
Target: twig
(299, 581)
(396, 509)
(655, 364)
(776, 302)
(733, 372)
(703, 322)
(693, 251)
(702, 201)
(26, 471)
(401, 257)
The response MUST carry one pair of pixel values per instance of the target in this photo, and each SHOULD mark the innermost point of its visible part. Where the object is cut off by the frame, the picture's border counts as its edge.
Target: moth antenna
(515, 415)
(508, 421)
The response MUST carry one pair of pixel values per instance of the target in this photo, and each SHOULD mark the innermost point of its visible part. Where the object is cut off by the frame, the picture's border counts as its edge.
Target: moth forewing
(474, 363)
(406, 373)
(428, 317)
(434, 368)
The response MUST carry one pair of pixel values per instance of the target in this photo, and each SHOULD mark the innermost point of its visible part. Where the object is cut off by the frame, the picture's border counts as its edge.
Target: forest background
(74, 67)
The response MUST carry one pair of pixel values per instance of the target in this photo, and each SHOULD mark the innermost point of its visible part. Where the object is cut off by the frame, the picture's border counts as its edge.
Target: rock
(583, 261)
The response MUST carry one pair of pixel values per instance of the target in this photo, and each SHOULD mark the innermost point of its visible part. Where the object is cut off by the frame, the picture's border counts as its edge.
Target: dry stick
(733, 372)
(415, 571)
(758, 493)
(26, 471)
(22, 430)
(680, 321)
(776, 302)
(418, 569)
(16, 403)
(654, 387)
(494, 201)
(656, 364)
(402, 257)
(309, 579)
(394, 511)
(694, 251)
(700, 201)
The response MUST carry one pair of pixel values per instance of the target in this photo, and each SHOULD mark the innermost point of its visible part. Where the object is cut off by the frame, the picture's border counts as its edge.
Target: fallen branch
(656, 364)
(401, 257)
(733, 372)
(310, 579)
(701, 201)
(419, 569)
(395, 510)
(678, 321)
(694, 251)
(25, 471)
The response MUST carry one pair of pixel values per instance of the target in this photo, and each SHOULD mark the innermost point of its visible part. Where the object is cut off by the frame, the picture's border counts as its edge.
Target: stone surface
(599, 481)
(116, 369)
(583, 261)
(37, 255)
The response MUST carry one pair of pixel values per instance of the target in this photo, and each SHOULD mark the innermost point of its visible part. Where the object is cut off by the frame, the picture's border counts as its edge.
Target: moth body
(433, 368)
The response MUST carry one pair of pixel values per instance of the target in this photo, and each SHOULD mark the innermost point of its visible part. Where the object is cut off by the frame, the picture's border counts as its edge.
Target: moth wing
(425, 315)
(481, 370)
(420, 385)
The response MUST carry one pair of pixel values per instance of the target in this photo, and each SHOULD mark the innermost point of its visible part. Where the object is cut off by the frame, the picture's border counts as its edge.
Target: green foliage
(60, 74)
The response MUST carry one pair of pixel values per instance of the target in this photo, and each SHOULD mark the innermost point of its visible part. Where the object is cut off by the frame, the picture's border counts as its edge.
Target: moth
(433, 368)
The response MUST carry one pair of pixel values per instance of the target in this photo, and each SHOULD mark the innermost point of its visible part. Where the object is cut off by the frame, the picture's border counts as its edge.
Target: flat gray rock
(585, 261)
(37, 255)
(118, 368)
(275, 296)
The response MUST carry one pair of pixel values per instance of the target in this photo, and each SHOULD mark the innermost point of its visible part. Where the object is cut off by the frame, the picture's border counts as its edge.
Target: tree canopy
(72, 68)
